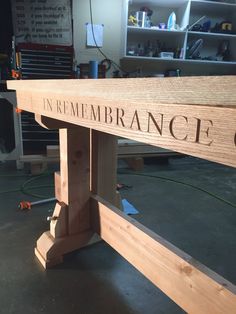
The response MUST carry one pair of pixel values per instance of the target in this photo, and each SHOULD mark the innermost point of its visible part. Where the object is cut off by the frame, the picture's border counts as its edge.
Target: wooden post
(104, 166)
(70, 225)
(75, 176)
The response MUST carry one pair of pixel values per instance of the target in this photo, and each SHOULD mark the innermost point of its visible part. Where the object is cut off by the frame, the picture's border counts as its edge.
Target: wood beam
(70, 227)
(194, 116)
(104, 165)
(191, 285)
(52, 124)
(199, 90)
(75, 176)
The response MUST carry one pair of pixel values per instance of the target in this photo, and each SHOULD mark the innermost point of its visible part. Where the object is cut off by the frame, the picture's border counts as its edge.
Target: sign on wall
(42, 21)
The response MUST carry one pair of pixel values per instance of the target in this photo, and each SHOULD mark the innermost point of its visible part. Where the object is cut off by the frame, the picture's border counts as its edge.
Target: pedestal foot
(50, 250)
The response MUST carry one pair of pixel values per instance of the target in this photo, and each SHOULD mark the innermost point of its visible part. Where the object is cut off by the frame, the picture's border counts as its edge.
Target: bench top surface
(190, 115)
(201, 90)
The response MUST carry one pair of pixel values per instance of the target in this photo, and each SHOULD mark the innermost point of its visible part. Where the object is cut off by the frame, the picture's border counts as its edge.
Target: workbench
(191, 115)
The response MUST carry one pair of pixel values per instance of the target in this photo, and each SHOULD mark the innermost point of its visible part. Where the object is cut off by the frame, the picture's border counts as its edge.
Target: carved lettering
(65, 107)
(152, 120)
(58, 104)
(95, 114)
(74, 109)
(202, 132)
(84, 108)
(47, 104)
(135, 120)
(179, 127)
(108, 112)
(172, 127)
(119, 116)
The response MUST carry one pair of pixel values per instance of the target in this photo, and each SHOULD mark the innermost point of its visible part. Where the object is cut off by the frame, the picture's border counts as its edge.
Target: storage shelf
(224, 63)
(216, 35)
(139, 40)
(154, 58)
(135, 29)
(215, 5)
(162, 3)
(175, 60)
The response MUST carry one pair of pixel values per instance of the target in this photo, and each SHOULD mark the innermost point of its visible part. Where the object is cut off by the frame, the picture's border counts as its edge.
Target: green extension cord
(24, 187)
(182, 183)
(26, 190)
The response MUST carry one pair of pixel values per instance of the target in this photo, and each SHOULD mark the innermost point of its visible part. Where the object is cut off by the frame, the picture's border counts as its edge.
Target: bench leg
(70, 224)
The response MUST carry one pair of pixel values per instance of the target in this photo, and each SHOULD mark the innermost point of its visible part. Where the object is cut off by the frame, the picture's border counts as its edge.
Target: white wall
(107, 12)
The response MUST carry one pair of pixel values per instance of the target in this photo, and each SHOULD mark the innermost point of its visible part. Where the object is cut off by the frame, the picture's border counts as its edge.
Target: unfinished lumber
(58, 221)
(191, 285)
(191, 115)
(129, 149)
(53, 150)
(75, 176)
(135, 163)
(104, 165)
(71, 228)
(38, 163)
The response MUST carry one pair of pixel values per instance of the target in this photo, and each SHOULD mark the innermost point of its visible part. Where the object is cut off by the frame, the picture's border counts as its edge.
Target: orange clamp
(24, 205)
(18, 110)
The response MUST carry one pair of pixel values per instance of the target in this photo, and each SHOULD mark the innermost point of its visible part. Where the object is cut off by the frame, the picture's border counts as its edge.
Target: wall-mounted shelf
(143, 43)
(176, 60)
(218, 35)
(140, 30)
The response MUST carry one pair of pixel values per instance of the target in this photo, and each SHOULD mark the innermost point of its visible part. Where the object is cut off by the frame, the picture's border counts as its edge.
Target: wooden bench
(194, 116)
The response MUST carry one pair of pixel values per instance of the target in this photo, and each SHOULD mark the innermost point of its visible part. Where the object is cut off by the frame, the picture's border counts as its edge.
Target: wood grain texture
(75, 176)
(58, 226)
(191, 285)
(57, 185)
(193, 115)
(218, 90)
(50, 250)
(104, 165)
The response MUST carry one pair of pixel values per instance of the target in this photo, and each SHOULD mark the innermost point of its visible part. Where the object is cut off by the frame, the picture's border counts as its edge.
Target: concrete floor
(96, 280)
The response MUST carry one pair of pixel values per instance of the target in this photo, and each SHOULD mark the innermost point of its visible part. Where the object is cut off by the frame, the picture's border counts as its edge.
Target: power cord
(106, 60)
(25, 189)
(182, 183)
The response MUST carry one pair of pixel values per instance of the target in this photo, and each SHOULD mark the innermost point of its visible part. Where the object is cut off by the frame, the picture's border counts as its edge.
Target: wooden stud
(53, 150)
(75, 176)
(104, 165)
(57, 184)
(191, 285)
(135, 163)
(72, 228)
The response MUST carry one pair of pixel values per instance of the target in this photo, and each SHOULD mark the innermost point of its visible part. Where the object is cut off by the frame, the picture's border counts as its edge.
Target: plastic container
(171, 24)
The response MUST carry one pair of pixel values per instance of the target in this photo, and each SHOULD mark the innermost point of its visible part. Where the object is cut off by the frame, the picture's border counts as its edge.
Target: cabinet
(203, 41)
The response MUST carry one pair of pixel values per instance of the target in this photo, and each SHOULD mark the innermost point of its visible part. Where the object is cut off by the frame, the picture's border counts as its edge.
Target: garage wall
(107, 12)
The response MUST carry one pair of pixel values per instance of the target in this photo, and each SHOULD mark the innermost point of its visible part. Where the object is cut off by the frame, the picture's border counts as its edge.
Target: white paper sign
(94, 31)
(42, 21)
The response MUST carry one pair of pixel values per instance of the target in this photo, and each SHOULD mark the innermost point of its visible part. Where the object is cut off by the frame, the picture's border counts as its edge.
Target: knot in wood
(186, 269)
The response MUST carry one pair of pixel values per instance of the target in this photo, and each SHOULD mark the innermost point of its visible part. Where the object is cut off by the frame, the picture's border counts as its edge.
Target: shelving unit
(142, 44)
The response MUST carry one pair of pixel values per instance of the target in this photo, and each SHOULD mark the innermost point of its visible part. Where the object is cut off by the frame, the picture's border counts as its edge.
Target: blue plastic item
(93, 69)
(171, 24)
